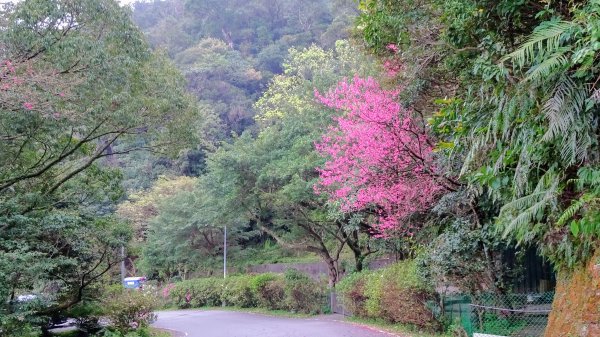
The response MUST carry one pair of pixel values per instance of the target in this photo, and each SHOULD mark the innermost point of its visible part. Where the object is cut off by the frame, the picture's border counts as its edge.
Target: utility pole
(225, 253)
(122, 264)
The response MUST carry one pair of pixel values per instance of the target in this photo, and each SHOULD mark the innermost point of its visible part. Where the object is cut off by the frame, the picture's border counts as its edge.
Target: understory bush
(237, 292)
(270, 290)
(293, 291)
(144, 332)
(129, 309)
(396, 294)
(302, 294)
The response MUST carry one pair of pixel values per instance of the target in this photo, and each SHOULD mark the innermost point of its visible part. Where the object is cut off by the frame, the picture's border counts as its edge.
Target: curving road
(215, 323)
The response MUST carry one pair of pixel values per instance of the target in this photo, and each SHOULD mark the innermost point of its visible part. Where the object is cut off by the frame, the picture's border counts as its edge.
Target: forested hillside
(460, 137)
(230, 50)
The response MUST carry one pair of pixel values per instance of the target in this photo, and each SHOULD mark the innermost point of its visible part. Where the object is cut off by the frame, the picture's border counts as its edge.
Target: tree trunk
(576, 306)
(333, 272)
(359, 260)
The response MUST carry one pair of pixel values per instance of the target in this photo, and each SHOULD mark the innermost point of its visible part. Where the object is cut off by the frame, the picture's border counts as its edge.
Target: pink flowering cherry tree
(378, 156)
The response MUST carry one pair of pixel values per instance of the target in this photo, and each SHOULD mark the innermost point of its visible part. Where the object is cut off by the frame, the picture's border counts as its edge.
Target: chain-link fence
(513, 315)
(455, 309)
(487, 315)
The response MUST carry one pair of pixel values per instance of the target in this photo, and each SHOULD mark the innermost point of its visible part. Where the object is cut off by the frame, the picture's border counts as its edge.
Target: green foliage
(264, 180)
(397, 294)
(303, 294)
(230, 50)
(520, 121)
(87, 315)
(294, 291)
(354, 297)
(129, 309)
(455, 258)
(497, 325)
(80, 87)
(270, 291)
(16, 327)
(238, 292)
(144, 332)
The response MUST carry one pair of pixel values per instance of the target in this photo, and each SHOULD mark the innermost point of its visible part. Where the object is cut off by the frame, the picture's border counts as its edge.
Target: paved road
(214, 323)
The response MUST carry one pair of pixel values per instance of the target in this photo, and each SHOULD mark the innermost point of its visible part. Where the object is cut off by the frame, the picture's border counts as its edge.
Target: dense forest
(457, 136)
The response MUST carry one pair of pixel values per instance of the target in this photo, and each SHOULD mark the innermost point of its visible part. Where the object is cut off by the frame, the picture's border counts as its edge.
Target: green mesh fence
(511, 315)
(457, 310)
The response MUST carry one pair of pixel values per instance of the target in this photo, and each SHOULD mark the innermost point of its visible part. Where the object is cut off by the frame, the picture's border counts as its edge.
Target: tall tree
(78, 83)
(379, 156)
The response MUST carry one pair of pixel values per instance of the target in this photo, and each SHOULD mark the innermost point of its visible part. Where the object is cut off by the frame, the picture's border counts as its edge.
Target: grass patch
(403, 330)
(155, 332)
(263, 311)
(71, 333)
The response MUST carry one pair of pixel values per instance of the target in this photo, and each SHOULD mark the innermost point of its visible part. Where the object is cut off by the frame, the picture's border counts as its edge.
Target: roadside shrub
(87, 316)
(293, 291)
(373, 291)
(237, 291)
(129, 309)
(205, 292)
(144, 332)
(407, 306)
(269, 289)
(15, 327)
(352, 293)
(179, 294)
(196, 293)
(396, 294)
(302, 294)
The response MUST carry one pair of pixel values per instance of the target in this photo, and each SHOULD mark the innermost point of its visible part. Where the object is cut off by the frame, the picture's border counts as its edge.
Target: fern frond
(527, 216)
(521, 177)
(543, 41)
(543, 70)
(530, 207)
(564, 112)
(588, 176)
(578, 204)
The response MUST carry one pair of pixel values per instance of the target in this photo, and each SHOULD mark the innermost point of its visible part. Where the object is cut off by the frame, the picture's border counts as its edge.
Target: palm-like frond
(530, 208)
(589, 181)
(548, 66)
(564, 112)
(543, 41)
(577, 205)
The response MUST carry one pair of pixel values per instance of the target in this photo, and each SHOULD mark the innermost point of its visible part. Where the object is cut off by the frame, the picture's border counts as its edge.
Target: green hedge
(293, 291)
(396, 294)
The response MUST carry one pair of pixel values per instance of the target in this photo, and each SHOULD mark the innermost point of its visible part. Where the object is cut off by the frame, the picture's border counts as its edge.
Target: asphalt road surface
(215, 323)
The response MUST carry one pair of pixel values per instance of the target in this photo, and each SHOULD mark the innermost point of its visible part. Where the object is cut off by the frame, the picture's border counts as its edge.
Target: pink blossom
(392, 68)
(167, 290)
(392, 47)
(8, 64)
(28, 106)
(378, 155)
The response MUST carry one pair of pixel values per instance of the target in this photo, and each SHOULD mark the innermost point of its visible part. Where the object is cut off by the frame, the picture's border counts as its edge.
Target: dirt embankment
(576, 307)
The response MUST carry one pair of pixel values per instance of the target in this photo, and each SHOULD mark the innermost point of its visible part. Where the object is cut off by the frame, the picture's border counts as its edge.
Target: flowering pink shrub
(167, 290)
(392, 67)
(392, 47)
(378, 156)
(129, 309)
(24, 86)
